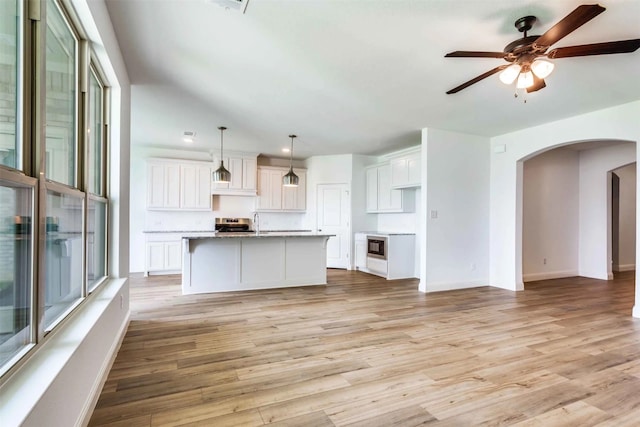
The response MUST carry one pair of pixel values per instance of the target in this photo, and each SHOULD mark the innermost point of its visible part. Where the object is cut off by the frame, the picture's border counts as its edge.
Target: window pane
(16, 214)
(9, 48)
(95, 135)
(63, 255)
(96, 242)
(61, 99)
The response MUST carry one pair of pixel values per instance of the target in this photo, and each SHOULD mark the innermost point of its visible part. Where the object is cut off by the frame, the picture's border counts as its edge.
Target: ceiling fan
(527, 54)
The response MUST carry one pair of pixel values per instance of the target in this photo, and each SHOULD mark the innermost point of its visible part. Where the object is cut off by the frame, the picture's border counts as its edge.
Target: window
(96, 242)
(94, 136)
(63, 255)
(9, 82)
(60, 68)
(69, 203)
(16, 261)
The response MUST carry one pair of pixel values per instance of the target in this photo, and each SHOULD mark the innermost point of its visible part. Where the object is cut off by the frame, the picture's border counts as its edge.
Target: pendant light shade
(290, 179)
(221, 175)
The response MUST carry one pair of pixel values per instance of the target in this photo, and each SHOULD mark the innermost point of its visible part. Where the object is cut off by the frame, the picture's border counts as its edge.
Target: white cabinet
(178, 185)
(195, 187)
(163, 185)
(400, 252)
(295, 198)
(360, 249)
(243, 169)
(273, 196)
(381, 198)
(163, 256)
(406, 170)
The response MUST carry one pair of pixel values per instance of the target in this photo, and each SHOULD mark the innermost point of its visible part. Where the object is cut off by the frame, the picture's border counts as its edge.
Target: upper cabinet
(178, 185)
(381, 197)
(273, 196)
(243, 168)
(405, 168)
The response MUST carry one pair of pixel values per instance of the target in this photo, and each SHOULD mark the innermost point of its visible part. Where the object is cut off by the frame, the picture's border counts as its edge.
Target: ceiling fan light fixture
(542, 68)
(510, 74)
(525, 80)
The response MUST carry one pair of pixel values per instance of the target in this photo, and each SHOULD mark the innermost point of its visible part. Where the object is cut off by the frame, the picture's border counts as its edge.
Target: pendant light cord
(222, 129)
(291, 153)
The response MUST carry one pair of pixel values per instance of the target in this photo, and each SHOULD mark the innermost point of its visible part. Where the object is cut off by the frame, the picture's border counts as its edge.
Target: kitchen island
(220, 262)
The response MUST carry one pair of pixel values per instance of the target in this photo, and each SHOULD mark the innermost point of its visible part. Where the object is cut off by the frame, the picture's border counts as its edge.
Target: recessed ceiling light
(188, 136)
(285, 150)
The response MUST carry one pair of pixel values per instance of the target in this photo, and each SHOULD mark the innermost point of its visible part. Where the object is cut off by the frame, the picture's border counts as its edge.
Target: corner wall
(627, 219)
(455, 210)
(595, 207)
(550, 212)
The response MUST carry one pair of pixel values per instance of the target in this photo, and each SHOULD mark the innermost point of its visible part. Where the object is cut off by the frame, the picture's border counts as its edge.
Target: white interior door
(334, 213)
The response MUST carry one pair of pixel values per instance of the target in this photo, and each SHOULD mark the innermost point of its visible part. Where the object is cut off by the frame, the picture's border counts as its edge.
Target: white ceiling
(352, 76)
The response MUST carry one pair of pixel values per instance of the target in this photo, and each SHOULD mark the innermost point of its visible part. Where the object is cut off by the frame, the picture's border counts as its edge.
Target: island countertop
(261, 234)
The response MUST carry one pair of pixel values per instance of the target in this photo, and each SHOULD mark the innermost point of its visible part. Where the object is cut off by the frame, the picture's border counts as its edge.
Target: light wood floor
(363, 351)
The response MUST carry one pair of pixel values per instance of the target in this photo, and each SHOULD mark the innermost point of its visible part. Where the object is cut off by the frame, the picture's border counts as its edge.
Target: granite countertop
(255, 235)
(386, 233)
(178, 231)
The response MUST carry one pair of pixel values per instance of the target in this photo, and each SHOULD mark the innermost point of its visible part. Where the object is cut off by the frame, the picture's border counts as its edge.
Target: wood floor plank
(366, 351)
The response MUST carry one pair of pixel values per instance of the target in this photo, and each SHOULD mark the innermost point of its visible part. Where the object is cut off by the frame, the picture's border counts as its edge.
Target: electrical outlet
(434, 214)
(544, 261)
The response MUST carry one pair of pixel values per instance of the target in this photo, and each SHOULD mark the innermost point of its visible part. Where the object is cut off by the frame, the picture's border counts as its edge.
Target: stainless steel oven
(377, 247)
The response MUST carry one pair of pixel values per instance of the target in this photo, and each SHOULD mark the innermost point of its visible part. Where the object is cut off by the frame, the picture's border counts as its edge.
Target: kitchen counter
(386, 233)
(220, 262)
(261, 234)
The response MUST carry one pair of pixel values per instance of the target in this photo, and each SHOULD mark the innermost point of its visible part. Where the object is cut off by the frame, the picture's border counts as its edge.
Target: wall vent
(240, 5)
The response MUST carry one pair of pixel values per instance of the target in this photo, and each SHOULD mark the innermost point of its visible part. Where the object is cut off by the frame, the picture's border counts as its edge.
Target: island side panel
(306, 261)
(262, 263)
(213, 265)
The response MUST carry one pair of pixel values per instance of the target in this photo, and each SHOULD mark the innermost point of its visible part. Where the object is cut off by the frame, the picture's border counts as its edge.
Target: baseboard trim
(532, 277)
(624, 267)
(101, 379)
(452, 286)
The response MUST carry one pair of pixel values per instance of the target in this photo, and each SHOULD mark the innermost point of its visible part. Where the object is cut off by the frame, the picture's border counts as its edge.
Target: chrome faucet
(256, 222)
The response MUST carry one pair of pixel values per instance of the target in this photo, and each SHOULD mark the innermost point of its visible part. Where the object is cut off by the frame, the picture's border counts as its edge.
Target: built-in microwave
(377, 247)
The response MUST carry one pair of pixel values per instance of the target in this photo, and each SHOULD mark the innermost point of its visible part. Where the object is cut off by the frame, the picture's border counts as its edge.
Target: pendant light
(290, 179)
(221, 175)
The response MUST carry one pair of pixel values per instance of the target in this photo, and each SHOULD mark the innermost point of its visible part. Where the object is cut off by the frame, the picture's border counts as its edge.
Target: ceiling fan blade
(580, 16)
(471, 54)
(538, 84)
(622, 46)
(477, 79)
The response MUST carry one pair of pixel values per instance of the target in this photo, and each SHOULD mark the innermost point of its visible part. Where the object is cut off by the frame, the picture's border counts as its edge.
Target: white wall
(595, 207)
(550, 213)
(627, 218)
(508, 152)
(456, 177)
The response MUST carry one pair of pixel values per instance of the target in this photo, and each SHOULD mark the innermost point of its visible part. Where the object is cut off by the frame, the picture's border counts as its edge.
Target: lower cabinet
(163, 256)
(360, 250)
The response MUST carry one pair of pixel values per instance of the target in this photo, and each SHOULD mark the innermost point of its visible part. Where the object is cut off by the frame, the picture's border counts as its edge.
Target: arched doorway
(567, 210)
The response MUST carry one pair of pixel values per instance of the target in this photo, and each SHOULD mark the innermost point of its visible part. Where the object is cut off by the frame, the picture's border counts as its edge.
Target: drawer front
(377, 265)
